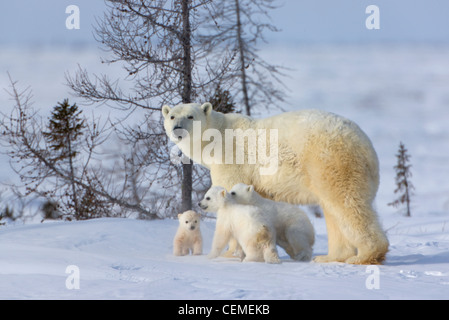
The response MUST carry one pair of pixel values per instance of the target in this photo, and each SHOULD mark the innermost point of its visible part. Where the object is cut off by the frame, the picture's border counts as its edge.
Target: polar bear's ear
(179, 215)
(250, 188)
(207, 108)
(165, 110)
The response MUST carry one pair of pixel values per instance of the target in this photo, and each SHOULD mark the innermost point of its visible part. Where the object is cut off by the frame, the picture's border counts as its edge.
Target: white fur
(322, 158)
(294, 231)
(245, 223)
(188, 237)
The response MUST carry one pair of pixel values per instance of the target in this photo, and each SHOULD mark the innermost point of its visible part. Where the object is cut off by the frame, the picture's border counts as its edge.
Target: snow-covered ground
(132, 259)
(395, 93)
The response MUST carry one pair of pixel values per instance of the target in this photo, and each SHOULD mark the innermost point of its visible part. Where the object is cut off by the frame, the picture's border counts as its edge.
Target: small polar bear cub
(245, 223)
(188, 237)
(294, 231)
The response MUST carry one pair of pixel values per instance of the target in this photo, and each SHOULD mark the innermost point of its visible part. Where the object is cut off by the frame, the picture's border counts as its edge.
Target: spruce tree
(403, 183)
(65, 127)
(222, 101)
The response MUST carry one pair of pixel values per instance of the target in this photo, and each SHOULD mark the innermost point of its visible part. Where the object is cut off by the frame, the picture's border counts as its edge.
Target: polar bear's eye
(187, 222)
(207, 198)
(232, 193)
(172, 117)
(196, 221)
(190, 117)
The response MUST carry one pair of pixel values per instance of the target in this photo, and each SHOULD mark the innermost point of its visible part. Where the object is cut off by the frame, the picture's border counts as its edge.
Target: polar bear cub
(188, 237)
(294, 231)
(244, 223)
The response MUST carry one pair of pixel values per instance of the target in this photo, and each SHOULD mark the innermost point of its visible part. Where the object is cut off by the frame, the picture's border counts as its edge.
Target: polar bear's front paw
(273, 260)
(322, 259)
(354, 260)
(228, 254)
(212, 255)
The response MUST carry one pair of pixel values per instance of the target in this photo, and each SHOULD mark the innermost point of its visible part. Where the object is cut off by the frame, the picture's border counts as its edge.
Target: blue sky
(43, 22)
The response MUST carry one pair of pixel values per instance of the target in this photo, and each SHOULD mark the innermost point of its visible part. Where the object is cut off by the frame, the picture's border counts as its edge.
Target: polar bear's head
(214, 199)
(179, 120)
(185, 124)
(242, 193)
(189, 220)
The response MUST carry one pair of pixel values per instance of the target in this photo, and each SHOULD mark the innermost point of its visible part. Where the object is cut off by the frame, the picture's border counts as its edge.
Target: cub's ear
(165, 110)
(179, 215)
(207, 108)
(250, 188)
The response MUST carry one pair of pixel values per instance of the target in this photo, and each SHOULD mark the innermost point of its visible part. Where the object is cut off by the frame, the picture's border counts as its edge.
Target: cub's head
(214, 199)
(242, 193)
(179, 121)
(189, 220)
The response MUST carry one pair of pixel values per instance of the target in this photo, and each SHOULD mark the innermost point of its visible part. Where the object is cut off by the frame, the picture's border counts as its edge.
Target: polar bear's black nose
(192, 228)
(179, 132)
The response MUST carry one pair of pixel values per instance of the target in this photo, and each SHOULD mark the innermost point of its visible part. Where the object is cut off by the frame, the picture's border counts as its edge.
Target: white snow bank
(132, 259)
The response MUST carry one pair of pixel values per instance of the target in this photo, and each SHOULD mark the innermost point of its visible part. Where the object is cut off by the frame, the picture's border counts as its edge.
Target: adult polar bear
(322, 158)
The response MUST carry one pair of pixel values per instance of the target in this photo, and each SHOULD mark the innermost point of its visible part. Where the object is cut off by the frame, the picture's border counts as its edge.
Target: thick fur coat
(188, 238)
(294, 231)
(319, 158)
(245, 223)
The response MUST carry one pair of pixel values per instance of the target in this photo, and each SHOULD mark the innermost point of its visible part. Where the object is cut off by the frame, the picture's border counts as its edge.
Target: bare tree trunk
(160, 45)
(407, 199)
(186, 194)
(72, 179)
(242, 59)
